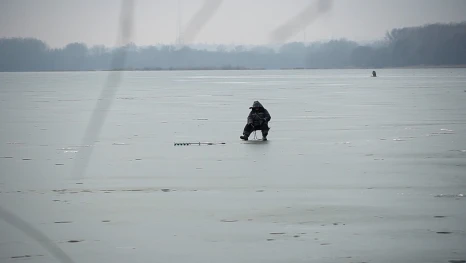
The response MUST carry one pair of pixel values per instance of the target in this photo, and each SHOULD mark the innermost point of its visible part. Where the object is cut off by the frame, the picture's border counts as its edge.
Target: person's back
(258, 119)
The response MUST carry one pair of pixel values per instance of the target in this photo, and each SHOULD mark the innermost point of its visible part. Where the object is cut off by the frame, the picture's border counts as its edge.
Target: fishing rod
(197, 143)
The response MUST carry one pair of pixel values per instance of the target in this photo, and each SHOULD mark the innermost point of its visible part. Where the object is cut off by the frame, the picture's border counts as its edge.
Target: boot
(244, 137)
(264, 136)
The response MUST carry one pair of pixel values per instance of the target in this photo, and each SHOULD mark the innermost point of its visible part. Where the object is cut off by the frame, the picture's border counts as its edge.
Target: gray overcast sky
(59, 22)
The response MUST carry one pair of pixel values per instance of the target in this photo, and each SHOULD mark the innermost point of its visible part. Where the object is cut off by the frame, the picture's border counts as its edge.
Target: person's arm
(250, 118)
(267, 116)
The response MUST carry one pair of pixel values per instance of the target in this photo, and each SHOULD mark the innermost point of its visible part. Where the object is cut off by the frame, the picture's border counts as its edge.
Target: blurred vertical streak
(35, 234)
(92, 132)
(299, 22)
(108, 92)
(200, 19)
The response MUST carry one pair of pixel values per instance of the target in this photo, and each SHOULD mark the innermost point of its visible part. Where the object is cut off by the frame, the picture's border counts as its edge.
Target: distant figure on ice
(258, 119)
(374, 74)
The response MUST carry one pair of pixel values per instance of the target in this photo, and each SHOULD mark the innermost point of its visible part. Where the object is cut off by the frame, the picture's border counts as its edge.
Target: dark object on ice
(25, 256)
(74, 241)
(258, 120)
(374, 74)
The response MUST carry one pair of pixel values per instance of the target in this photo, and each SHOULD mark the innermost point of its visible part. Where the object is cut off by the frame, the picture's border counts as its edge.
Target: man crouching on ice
(258, 119)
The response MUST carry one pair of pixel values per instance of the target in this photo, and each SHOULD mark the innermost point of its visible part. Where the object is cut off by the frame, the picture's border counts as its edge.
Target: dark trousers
(249, 128)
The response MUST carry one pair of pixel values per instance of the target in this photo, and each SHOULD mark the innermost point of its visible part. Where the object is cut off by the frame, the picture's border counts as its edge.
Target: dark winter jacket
(259, 117)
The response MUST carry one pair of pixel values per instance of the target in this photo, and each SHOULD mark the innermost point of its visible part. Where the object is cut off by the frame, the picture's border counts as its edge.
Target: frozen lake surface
(356, 169)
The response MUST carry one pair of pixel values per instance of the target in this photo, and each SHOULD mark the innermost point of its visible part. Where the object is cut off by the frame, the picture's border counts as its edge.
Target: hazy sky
(59, 22)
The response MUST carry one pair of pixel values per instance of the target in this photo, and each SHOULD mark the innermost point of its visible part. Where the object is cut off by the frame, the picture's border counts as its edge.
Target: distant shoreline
(238, 69)
(430, 46)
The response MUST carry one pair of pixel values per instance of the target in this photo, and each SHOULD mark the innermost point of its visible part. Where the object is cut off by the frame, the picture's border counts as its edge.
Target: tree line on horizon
(429, 45)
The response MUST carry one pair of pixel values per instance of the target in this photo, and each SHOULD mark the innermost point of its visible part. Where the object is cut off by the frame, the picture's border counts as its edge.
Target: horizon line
(233, 43)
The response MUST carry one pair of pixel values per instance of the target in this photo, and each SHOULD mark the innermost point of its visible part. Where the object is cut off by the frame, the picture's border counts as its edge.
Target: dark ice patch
(229, 220)
(75, 241)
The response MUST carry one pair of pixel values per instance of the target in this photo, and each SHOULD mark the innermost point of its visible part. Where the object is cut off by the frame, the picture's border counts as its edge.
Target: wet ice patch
(68, 150)
(450, 195)
(15, 143)
(79, 146)
(446, 130)
(228, 82)
(26, 256)
(459, 151)
(126, 98)
(228, 220)
(443, 131)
